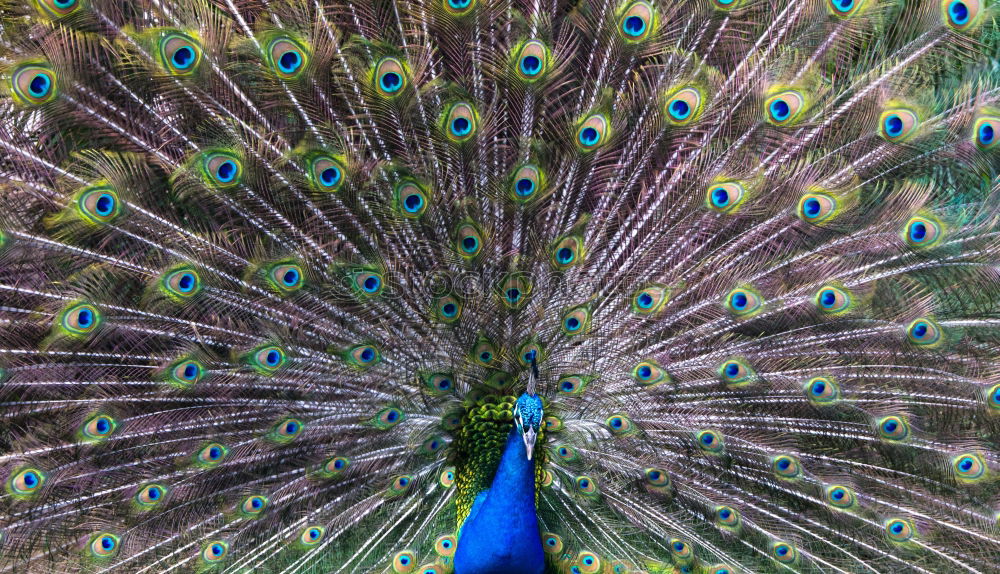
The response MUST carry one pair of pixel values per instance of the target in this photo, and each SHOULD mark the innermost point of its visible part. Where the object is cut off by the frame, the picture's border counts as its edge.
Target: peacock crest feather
(500, 286)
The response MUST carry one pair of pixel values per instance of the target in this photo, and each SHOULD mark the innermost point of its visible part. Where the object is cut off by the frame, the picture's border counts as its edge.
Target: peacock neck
(501, 533)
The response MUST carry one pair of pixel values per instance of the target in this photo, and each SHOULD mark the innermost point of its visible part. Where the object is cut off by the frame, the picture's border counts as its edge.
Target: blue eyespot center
(780, 110)
(740, 301)
(645, 300)
(273, 357)
(183, 57)
(564, 255)
(368, 354)
(85, 318)
(39, 85)
(707, 438)
(413, 202)
(217, 550)
(64, 3)
(572, 323)
(827, 298)
(986, 134)
(893, 125)
(290, 278)
(391, 81)
(720, 197)
(896, 527)
(890, 426)
(781, 550)
(372, 284)
(330, 176)
(680, 109)
(444, 384)
(289, 61)
(844, 5)
(291, 428)
(469, 244)
(525, 186)
(616, 423)
(30, 479)
(107, 542)
(186, 282)
(634, 26)
(459, 4)
(732, 369)
(531, 65)
(153, 493)
(644, 372)
(391, 416)
(568, 386)
(918, 231)
(818, 388)
(226, 171)
(105, 204)
(449, 309)
(102, 425)
(338, 464)
(486, 356)
(959, 12)
(461, 126)
(838, 494)
(811, 207)
(256, 502)
(725, 513)
(513, 295)
(190, 371)
(589, 136)
(966, 463)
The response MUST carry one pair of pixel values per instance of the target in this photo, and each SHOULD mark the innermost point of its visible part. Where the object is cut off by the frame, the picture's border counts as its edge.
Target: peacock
(500, 286)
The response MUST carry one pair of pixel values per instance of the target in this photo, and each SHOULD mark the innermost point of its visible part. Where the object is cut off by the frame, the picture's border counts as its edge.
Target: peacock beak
(529, 435)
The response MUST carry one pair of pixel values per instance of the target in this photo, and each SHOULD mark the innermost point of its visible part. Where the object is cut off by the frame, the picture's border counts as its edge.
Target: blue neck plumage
(501, 532)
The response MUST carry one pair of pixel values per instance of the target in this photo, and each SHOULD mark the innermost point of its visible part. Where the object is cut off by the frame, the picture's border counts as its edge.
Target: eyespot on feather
(34, 84)
(180, 54)
(459, 7)
(445, 545)
(845, 9)
(97, 428)
(287, 57)
(253, 505)
(969, 467)
(593, 132)
(460, 122)
(840, 497)
(832, 300)
(532, 61)
(215, 551)
(222, 169)
(922, 232)
(898, 124)
(268, 359)
(104, 545)
(56, 9)
(816, 208)
(552, 543)
(710, 441)
(637, 22)
(484, 353)
(185, 372)
(684, 106)
(786, 466)
(150, 495)
(784, 552)
(576, 321)
(567, 252)
(784, 108)
(725, 196)
(986, 132)
(80, 319)
(893, 428)
(736, 372)
(962, 15)
(899, 530)
(25, 481)
(363, 356)
(181, 283)
(404, 562)
(468, 240)
(743, 302)
(648, 373)
(98, 204)
(390, 77)
(412, 199)
(822, 390)
(650, 299)
(514, 290)
(212, 454)
(312, 535)
(326, 173)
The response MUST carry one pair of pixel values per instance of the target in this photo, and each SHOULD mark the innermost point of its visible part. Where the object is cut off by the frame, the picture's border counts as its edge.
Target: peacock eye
(99, 204)
(459, 7)
(986, 132)
(532, 61)
(636, 22)
(922, 232)
(34, 85)
(224, 169)
(215, 551)
(461, 122)
(684, 107)
(390, 77)
(80, 319)
(815, 208)
(784, 108)
(897, 124)
(725, 197)
(593, 132)
(287, 58)
(104, 545)
(180, 54)
(844, 8)
(59, 8)
(962, 15)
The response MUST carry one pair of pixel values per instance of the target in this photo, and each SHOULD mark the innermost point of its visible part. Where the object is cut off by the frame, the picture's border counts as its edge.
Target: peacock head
(528, 412)
(528, 418)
